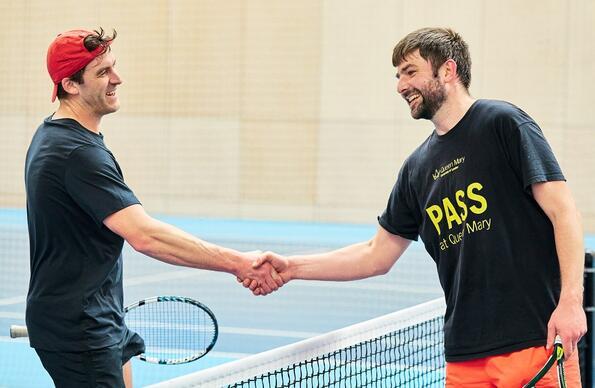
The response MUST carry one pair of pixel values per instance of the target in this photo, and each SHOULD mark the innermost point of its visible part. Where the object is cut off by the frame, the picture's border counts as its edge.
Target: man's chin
(416, 114)
(112, 108)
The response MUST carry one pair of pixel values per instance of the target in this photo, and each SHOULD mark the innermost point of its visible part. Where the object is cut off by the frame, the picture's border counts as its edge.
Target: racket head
(176, 329)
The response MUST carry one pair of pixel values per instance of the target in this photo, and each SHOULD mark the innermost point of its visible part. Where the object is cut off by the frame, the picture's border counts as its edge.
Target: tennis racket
(557, 356)
(176, 329)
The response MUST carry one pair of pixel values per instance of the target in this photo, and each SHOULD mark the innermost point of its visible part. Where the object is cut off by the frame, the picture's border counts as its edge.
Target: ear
(70, 86)
(449, 70)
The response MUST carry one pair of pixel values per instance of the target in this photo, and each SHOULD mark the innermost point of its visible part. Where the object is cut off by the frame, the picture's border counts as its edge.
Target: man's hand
(569, 322)
(261, 279)
(273, 263)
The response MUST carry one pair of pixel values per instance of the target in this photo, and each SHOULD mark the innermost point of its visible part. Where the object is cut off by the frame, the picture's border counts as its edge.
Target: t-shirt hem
(492, 352)
(544, 178)
(115, 209)
(390, 229)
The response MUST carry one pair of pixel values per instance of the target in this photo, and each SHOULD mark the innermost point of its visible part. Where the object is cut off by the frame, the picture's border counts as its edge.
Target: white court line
(267, 332)
(11, 315)
(189, 326)
(230, 355)
(233, 355)
(13, 300)
(5, 338)
(180, 352)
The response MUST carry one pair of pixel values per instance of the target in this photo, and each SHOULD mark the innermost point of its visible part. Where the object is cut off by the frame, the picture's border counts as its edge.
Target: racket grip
(18, 331)
(558, 349)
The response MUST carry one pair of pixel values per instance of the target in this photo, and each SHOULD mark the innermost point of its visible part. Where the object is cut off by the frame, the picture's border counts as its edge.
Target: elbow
(379, 263)
(141, 243)
(380, 266)
(382, 269)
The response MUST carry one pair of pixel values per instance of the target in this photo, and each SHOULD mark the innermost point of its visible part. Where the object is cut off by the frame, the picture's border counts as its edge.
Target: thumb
(260, 261)
(551, 335)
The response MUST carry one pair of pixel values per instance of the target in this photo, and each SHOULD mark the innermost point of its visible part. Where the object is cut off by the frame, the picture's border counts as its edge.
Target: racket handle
(18, 331)
(558, 349)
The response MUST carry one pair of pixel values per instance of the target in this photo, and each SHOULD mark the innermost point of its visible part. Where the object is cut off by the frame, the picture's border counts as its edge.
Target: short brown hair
(437, 45)
(91, 42)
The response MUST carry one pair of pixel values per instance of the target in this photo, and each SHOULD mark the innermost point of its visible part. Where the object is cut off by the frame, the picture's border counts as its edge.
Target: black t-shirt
(468, 195)
(73, 183)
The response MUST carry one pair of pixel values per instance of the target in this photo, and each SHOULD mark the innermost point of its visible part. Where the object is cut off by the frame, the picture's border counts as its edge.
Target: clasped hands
(263, 273)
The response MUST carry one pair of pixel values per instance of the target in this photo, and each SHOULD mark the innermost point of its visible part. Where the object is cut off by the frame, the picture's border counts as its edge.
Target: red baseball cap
(67, 55)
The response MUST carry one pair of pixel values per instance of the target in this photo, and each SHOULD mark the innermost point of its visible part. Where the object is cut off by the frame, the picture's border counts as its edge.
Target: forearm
(174, 246)
(569, 247)
(357, 261)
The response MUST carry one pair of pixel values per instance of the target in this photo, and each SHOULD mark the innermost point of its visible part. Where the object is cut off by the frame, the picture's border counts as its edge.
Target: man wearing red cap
(79, 212)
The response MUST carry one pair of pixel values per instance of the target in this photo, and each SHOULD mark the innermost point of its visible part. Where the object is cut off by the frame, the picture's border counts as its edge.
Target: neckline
(73, 123)
(457, 128)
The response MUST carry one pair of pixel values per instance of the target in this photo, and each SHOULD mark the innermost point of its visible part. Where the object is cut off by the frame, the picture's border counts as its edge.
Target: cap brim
(54, 92)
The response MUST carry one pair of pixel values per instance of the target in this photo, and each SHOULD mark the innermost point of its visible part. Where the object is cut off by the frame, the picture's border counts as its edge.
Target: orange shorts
(511, 370)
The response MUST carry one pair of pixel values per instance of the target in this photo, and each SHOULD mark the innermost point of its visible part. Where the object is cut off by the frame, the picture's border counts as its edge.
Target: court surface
(248, 324)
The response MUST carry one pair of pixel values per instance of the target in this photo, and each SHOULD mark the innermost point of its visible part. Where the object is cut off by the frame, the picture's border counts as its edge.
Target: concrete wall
(288, 110)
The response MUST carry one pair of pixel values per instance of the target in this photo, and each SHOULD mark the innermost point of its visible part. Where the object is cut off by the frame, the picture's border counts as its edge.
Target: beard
(432, 98)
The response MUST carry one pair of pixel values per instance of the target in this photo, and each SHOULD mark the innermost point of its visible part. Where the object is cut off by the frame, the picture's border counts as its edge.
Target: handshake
(263, 273)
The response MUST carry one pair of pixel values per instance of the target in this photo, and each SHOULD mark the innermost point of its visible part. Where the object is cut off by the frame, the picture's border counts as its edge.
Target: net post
(587, 343)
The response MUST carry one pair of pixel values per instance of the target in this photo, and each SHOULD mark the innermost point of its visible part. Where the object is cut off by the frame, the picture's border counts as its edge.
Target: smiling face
(420, 87)
(97, 92)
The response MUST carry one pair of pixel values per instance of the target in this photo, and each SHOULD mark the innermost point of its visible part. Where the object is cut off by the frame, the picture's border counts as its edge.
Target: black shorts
(93, 368)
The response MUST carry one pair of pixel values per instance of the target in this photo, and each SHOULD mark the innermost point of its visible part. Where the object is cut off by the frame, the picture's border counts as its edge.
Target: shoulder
(66, 134)
(90, 155)
(501, 113)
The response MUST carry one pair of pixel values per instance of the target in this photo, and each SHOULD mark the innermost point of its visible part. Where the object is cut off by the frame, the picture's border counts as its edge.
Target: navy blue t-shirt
(468, 195)
(73, 183)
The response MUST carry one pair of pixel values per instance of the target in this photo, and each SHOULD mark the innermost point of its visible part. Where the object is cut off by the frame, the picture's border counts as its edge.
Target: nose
(115, 78)
(401, 85)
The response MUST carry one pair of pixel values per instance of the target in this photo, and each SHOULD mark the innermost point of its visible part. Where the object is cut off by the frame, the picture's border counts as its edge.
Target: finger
(247, 282)
(568, 350)
(276, 278)
(572, 345)
(266, 288)
(263, 293)
(253, 285)
(239, 280)
(269, 282)
(566, 345)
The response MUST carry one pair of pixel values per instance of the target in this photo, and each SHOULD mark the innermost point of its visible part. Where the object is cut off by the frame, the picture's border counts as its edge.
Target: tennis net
(401, 349)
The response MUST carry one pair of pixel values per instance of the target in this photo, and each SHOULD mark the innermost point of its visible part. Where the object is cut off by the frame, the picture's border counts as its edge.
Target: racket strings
(172, 330)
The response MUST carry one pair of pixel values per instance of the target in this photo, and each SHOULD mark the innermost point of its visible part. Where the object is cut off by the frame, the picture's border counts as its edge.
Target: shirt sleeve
(531, 155)
(95, 182)
(399, 216)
